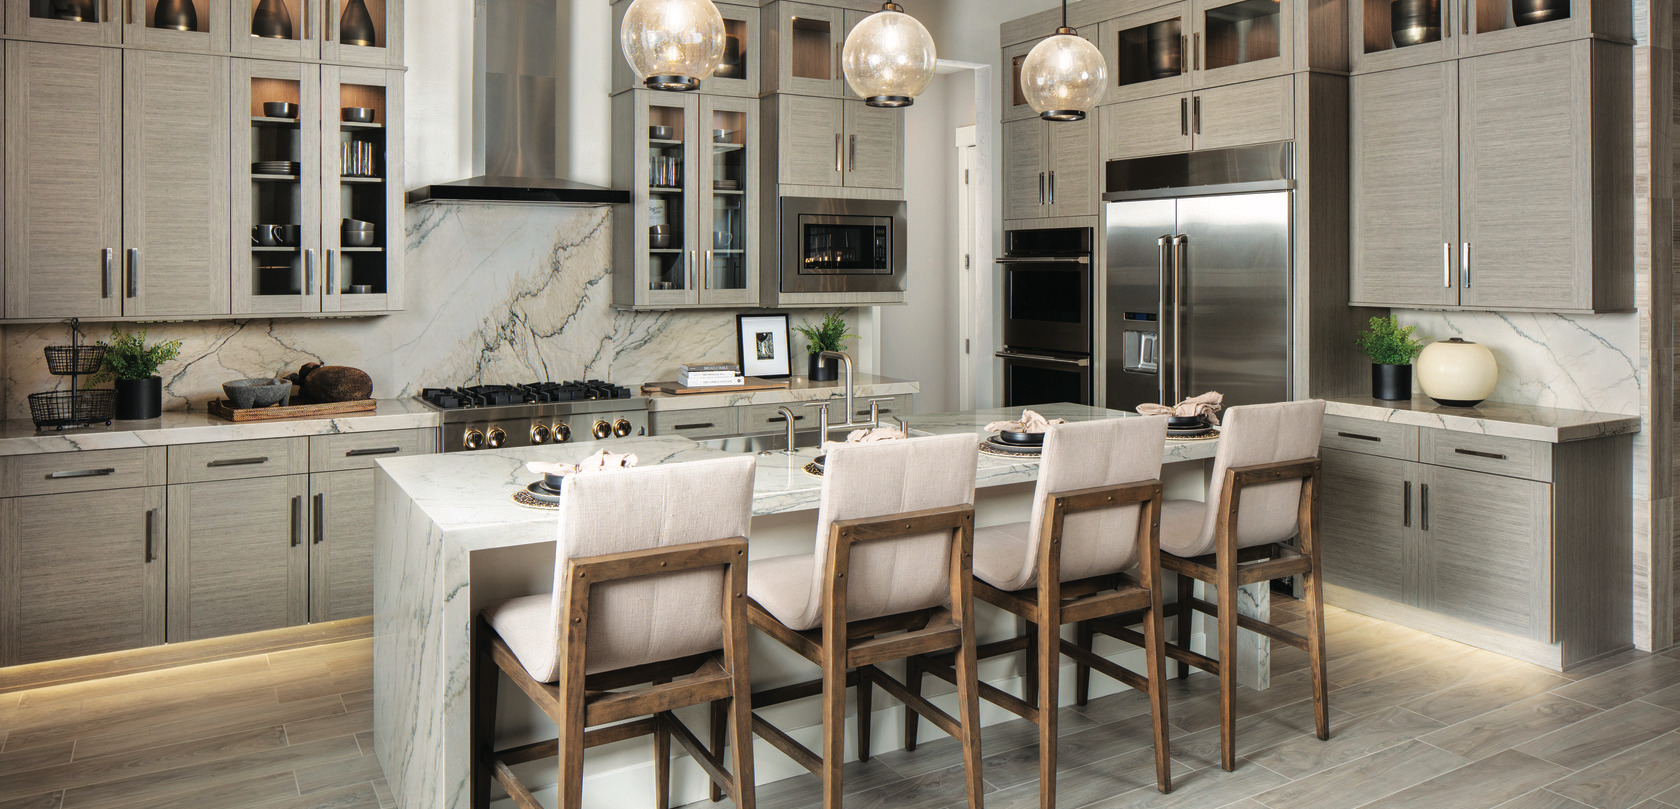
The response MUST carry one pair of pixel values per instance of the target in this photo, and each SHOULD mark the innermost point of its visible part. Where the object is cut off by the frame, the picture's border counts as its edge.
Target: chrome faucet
(787, 416)
(823, 425)
(845, 363)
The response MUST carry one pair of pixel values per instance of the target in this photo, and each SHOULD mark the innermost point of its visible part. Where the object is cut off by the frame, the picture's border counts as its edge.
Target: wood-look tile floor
(1417, 722)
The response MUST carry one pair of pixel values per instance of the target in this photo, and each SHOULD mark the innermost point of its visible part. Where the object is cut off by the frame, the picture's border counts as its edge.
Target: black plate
(1185, 423)
(1030, 450)
(541, 492)
(1022, 439)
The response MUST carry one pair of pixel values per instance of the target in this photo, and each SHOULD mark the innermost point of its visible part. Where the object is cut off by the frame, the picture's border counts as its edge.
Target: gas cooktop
(477, 396)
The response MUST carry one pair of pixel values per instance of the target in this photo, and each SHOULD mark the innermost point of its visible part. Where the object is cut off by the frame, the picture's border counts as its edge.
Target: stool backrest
(1087, 455)
(662, 617)
(883, 478)
(1251, 435)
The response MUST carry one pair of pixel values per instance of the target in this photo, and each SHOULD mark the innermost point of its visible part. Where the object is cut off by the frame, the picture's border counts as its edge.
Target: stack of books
(710, 375)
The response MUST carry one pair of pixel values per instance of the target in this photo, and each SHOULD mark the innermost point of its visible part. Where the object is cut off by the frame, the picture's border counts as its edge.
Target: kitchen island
(451, 541)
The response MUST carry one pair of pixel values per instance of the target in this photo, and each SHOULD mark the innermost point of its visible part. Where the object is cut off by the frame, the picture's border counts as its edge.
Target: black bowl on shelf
(357, 115)
(280, 109)
(1414, 22)
(1164, 49)
(1021, 439)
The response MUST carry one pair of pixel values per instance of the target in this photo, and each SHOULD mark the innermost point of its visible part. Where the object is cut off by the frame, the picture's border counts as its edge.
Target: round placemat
(813, 470)
(1207, 436)
(530, 498)
(987, 448)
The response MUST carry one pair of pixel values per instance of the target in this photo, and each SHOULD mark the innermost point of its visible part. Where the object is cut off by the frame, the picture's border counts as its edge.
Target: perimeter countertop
(799, 389)
(1530, 422)
(18, 437)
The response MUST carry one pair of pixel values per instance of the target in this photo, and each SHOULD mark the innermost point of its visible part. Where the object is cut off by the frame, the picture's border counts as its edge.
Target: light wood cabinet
(385, 49)
(341, 544)
(1495, 182)
(802, 44)
(303, 39)
(834, 143)
(238, 556)
(1050, 168)
(1014, 101)
(874, 146)
(1515, 546)
(1215, 118)
(743, 62)
(81, 574)
(214, 21)
(703, 422)
(1474, 27)
(40, 21)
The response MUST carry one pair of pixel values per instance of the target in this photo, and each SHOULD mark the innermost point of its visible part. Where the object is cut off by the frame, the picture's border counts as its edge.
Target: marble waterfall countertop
(1503, 419)
(471, 490)
(799, 389)
(197, 427)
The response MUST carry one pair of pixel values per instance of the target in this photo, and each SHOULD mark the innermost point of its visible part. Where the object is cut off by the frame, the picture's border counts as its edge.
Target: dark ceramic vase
(1391, 382)
(75, 10)
(272, 20)
(139, 398)
(823, 371)
(177, 15)
(1529, 12)
(1165, 58)
(356, 26)
(1414, 22)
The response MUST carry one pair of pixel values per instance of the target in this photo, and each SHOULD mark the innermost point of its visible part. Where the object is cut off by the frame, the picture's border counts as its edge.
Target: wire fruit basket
(73, 407)
(78, 360)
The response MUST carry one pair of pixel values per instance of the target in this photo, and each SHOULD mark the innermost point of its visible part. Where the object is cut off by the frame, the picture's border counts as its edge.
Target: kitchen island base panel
(424, 615)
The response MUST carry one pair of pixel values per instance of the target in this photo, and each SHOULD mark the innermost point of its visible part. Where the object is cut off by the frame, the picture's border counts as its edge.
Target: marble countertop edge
(198, 427)
(1503, 419)
(799, 389)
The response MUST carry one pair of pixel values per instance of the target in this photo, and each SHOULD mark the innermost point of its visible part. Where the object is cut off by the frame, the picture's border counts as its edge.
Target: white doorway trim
(968, 263)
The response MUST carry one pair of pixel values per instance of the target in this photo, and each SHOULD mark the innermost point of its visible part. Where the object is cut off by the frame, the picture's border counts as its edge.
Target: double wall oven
(1047, 316)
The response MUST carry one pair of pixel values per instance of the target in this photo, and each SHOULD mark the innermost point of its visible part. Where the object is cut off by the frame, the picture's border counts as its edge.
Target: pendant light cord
(1064, 14)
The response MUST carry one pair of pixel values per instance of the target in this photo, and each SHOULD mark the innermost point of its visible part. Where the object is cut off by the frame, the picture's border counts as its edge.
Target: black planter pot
(823, 371)
(176, 15)
(139, 398)
(1391, 382)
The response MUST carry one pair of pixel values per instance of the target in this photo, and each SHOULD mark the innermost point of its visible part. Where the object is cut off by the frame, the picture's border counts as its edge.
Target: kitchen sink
(775, 442)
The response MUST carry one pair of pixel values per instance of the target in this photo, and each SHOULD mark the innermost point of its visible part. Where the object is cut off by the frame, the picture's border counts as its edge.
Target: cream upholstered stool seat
(890, 578)
(1264, 493)
(649, 590)
(1095, 516)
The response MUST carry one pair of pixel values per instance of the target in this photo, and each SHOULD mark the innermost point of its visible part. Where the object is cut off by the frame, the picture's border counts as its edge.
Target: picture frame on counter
(761, 341)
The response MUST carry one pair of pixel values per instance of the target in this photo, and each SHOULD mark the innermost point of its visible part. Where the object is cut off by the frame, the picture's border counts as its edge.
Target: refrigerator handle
(1179, 242)
(1161, 309)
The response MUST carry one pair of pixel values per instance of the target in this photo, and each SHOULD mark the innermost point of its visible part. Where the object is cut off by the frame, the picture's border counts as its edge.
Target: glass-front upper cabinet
(277, 29)
(807, 40)
(361, 204)
(77, 22)
(363, 32)
(1240, 40)
(737, 74)
(179, 25)
(654, 237)
(276, 187)
(1402, 33)
(1014, 102)
(1501, 25)
(1148, 53)
(729, 211)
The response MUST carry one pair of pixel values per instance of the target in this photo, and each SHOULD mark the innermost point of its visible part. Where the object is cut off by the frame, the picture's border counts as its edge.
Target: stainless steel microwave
(842, 245)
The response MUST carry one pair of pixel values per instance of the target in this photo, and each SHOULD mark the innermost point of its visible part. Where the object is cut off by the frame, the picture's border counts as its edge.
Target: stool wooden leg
(968, 697)
(1186, 589)
(720, 727)
(1227, 587)
(571, 761)
(1081, 672)
(661, 762)
(1316, 656)
(913, 679)
(1048, 654)
(741, 744)
(485, 679)
(834, 721)
(865, 693)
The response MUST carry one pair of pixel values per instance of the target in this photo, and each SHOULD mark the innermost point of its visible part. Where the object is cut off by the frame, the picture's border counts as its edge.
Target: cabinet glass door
(1014, 103)
(737, 74)
(1148, 54)
(1400, 33)
(809, 50)
(672, 136)
(730, 181)
(362, 32)
(276, 187)
(277, 29)
(1502, 25)
(179, 25)
(361, 211)
(1236, 41)
(78, 22)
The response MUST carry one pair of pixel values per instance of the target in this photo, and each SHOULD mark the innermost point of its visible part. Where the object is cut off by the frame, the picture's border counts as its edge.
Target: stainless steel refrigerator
(1198, 295)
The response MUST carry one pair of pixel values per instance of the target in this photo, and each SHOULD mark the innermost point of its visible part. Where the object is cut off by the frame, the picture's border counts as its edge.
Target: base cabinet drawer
(705, 422)
(232, 460)
(342, 451)
(1493, 454)
(1367, 437)
(765, 418)
(238, 556)
(93, 470)
(81, 575)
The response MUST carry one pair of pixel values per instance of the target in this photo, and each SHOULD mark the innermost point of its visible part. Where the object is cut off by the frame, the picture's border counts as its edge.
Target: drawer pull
(297, 519)
(1479, 454)
(81, 473)
(151, 551)
(358, 453)
(1360, 437)
(700, 426)
(237, 462)
(1423, 510)
(781, 419)
(320, 518)
(1406, 506)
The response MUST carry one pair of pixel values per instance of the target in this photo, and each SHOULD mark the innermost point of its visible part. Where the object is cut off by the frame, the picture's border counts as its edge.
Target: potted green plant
(134, 366)
(1391, 349)
(829, 335)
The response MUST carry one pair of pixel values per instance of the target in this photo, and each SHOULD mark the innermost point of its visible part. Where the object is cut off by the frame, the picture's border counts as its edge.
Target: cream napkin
(601, 461)
(1206, 405)
(1030, 423)
(867, 436)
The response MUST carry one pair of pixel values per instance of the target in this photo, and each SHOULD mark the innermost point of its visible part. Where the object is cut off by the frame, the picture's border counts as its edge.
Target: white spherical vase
(1456, 372)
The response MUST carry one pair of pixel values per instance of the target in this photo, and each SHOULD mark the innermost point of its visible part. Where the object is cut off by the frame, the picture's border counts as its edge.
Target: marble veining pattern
(1489, 418)
(1571, 362)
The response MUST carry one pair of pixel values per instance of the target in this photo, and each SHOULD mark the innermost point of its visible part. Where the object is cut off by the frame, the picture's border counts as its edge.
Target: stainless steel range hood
(517, 75)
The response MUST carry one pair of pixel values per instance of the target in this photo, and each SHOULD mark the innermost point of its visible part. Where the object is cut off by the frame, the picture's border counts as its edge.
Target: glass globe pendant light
(672, 44)
(889, 58)
(1064, 76)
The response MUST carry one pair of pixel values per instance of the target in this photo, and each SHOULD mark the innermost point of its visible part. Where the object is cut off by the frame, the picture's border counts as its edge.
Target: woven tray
(220, 407)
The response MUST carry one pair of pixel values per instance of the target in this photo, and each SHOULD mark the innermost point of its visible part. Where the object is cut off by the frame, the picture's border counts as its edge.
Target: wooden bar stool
(650, 590)
(1266, 470)
(1096, 513)
(891, 578)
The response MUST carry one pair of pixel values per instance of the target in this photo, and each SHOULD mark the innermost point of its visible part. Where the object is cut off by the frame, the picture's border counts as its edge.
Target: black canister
(1165, 57)
(1415, 22)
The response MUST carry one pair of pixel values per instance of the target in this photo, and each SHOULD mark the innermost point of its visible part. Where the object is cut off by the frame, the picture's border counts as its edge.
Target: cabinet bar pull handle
(109, 262)
(1446, 21)
(701, 426)
(1406, 506)
(309, 272)
(1360, 437)
(838, 155)
(320, 520)
(1184, 116)
(357, 453)
(1052, 187)
(706, 275)
(133, 272)
(237, 461)
(331, 287)
(1478, 453)
(1423, 511)
(81, 473)
(1446, 264)
(691, 269)
(1464, 265)
(1196, 51)
(851, 154)
(297, 518)
(1041, 188)
(151, 547)
(1196, 115)
(1183, 63)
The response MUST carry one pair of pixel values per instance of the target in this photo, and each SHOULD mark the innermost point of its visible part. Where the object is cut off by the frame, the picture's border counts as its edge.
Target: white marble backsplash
(494, 293)
(1573, 362)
